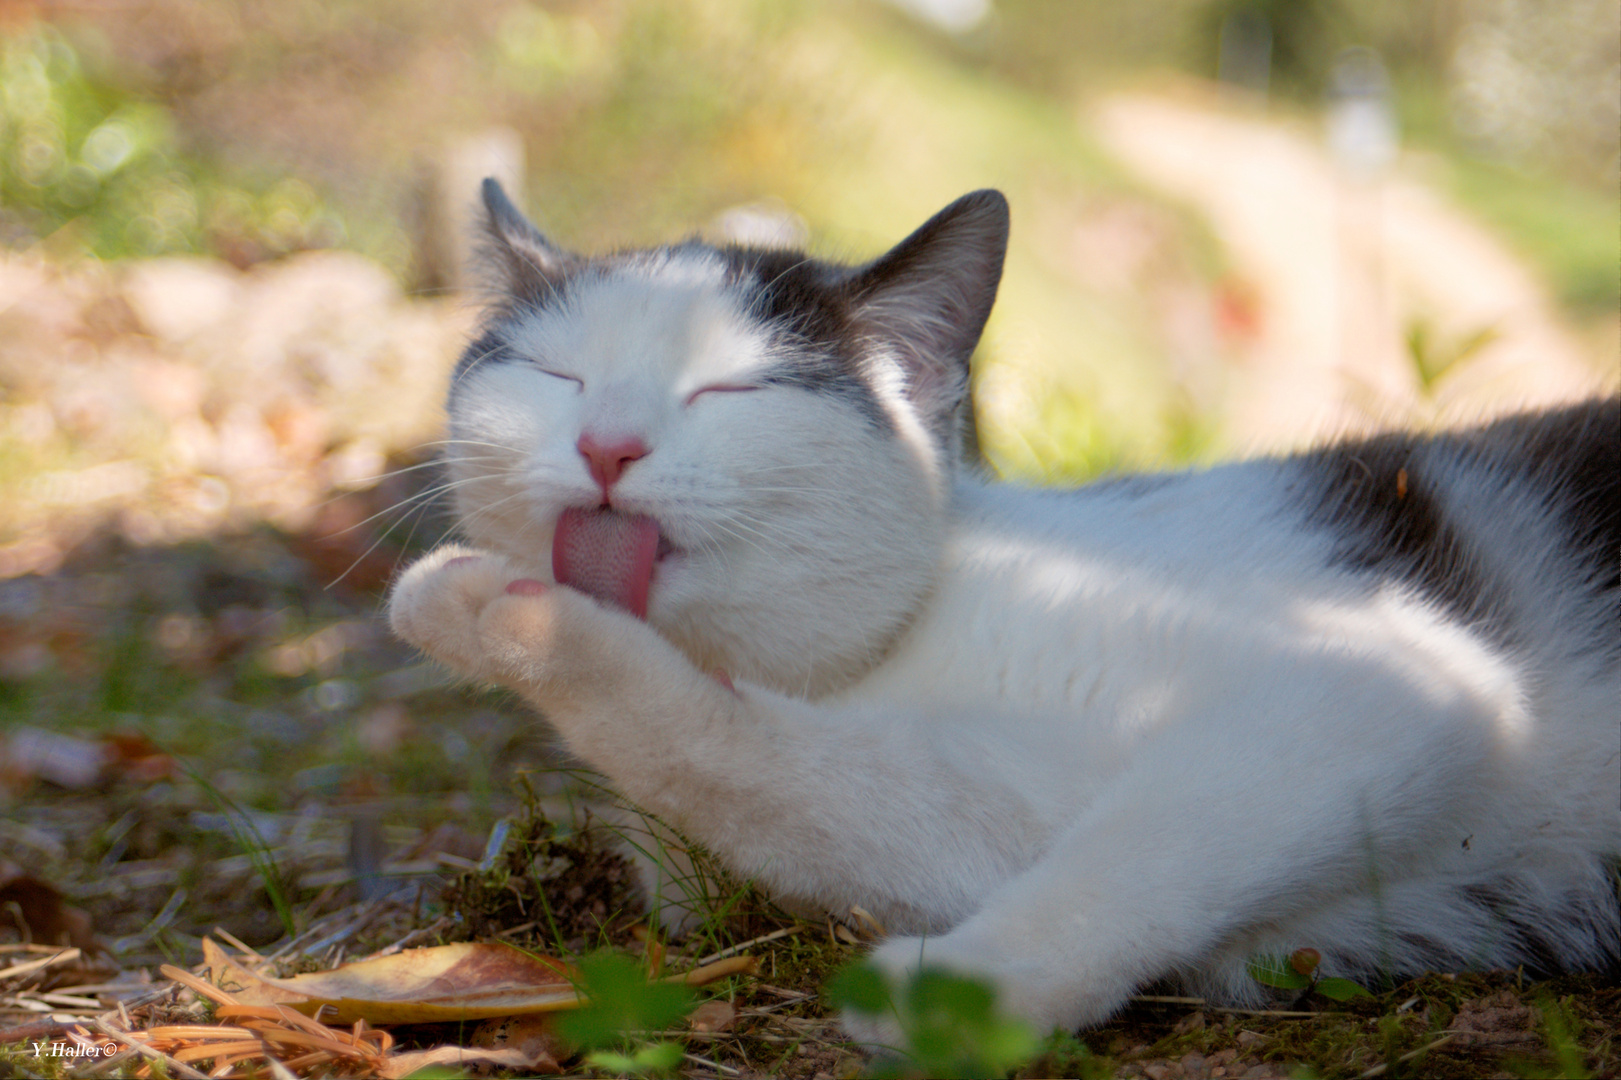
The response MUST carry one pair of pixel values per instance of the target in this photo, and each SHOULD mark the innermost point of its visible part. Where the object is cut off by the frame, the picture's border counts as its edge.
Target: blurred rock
(447, 232)
(178, 298)
(1337, 276)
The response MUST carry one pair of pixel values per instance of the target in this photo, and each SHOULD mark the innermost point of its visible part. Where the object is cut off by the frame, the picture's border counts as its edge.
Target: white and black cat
(1365, 699)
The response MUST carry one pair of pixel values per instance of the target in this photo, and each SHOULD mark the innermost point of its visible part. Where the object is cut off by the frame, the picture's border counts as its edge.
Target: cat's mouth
(609, 555)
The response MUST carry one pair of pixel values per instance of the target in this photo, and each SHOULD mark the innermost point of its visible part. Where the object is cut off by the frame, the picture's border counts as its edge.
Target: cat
(1363, 699)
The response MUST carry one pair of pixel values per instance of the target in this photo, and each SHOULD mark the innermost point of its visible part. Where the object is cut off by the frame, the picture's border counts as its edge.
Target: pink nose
(607, 459)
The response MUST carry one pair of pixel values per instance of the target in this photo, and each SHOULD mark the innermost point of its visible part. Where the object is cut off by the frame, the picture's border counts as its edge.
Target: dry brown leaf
(132, 757)
(37, 909)
(714, 1015)
(436, 985)
(243, 985)
(530, 1035)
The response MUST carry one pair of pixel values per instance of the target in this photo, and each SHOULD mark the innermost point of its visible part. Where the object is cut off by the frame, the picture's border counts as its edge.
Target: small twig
(413, 937)
(130, 984)
(1163, 999)
(29, 946)
(761, 940)
(367, 916)
(786, 995)
(717, 1066)
(147, 998)
(156, 925)
(319, 926)
(107, 1066)
(1379, 1070)
(514, 931)
(63, 956)
(724, 1036)
(177, 1068)
(368, 912)
(719, 969)
(33, 1032)
(236, 943)
(67, 1001)
(767, 1010)
(198, 986)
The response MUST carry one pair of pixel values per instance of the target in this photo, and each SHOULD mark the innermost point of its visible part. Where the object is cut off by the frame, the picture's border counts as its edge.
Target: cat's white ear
(928, 298)
(529, 265)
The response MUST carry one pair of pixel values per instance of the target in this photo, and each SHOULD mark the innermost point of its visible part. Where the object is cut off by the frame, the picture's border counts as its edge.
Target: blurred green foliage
(623, 1002)
(1568, 231)
(79, 151)
(950, 1023)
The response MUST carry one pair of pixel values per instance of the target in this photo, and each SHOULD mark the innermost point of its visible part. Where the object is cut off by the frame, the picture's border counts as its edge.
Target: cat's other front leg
(1195, 849)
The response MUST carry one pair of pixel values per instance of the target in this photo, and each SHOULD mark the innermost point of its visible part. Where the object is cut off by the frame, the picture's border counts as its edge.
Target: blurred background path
(1349, 272)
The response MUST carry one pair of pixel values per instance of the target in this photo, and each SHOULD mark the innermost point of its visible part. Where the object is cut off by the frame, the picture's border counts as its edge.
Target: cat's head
(749, 446)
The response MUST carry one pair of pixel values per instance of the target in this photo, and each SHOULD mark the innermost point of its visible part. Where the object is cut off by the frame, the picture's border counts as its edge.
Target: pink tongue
(607, 555)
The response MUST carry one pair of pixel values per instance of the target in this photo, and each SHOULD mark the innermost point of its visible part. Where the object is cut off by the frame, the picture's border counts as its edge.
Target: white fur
(1070, 742)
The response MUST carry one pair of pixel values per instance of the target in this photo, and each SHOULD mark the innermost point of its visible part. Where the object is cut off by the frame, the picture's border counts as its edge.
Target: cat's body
(1365, 700)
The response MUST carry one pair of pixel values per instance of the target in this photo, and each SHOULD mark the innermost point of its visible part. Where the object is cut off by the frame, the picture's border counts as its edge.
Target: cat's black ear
(529, 265)
(928, 298)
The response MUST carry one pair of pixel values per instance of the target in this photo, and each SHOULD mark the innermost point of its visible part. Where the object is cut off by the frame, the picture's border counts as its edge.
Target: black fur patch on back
(1576, 452)
(1376, 499)
(1378, 496)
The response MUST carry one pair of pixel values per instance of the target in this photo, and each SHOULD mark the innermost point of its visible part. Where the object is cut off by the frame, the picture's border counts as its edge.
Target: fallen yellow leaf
(416, 986)
(435, 985)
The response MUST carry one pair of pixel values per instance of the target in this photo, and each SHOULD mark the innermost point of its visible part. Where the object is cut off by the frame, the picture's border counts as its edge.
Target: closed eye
(719, 388)
(575, 379)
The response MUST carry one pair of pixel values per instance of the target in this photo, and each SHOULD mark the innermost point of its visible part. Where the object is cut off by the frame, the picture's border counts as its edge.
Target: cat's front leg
(623, 698)
(436, 605)
(485, 617)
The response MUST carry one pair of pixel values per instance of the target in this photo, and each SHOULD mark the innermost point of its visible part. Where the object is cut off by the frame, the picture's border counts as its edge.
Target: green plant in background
(623, 1002)
(252, 844)
(950, 1023)
(1299, 972)
(1433, 356)
(78, 152)
(70, 148)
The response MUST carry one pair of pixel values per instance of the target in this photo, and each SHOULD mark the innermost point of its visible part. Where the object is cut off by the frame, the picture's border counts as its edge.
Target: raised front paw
(437, 603)
(482, 616)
